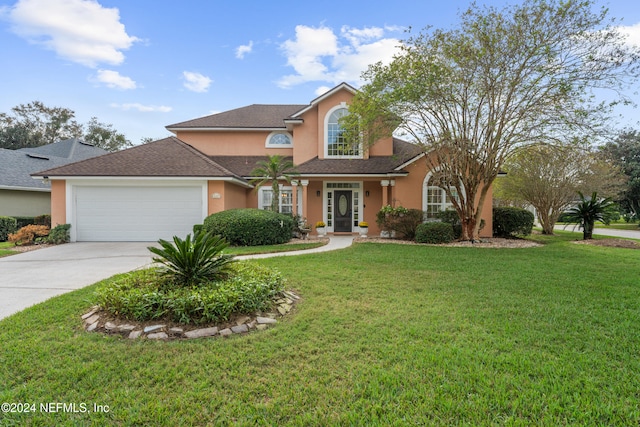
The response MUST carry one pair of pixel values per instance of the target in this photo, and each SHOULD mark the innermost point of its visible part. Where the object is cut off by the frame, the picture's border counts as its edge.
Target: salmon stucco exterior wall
(58, 202)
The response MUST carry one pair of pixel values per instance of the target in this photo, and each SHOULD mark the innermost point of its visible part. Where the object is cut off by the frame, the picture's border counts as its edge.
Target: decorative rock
(265, 320)
(241, 320)
(135, 334)
(239, 329)
(176, 330)
(92, 326)
(109, 326)
(92, 319)
(291, 295)
(158, 336)
(282, 310)
(262, 327)
(200, 333)
(152, 328)
(251, 324)
(126, 327)
(89, 314)
(226, 332)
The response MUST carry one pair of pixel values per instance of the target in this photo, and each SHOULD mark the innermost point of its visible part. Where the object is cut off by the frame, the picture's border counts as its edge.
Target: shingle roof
(403, 152)
(18, 165)
(166, 157)
(253, 116)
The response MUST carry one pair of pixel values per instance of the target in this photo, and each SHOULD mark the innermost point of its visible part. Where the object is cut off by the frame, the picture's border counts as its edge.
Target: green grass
(5, 249)
(268, 249)
(384, 335)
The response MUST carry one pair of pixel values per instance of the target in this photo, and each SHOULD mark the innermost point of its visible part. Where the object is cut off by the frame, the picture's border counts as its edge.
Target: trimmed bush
(450, 216)
(59, 234)
(28, 234)
(149, 295)
(250, 227)
(23, 221)
(399, 221)
(510, 222)
(43, 220)
(434, 233)
(8, 225)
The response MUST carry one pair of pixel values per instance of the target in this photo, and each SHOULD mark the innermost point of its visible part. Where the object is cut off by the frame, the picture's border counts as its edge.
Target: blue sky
(144, 64)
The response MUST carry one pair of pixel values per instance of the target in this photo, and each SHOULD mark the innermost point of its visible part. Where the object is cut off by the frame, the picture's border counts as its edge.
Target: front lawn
(384, 335)
(5, 249)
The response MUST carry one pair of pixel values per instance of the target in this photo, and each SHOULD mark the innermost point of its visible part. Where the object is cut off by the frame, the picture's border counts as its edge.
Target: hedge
(8, 225)
(250, 227)
(510, 222)
(435, 233)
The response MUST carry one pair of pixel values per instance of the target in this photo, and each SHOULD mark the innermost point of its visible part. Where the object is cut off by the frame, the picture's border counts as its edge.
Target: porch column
(305, 184)
(385, 193)
(392, 184)
(294, 197)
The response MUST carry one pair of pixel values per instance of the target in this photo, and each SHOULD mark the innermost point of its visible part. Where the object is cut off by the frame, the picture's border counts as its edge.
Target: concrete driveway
(32, 277)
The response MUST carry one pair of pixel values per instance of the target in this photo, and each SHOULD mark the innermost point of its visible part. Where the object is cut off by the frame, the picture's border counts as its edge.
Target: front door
(343, 211)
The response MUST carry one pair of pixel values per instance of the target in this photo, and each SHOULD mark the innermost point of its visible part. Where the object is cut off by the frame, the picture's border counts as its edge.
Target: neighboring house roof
(256, 116)
(18, 165)
(167, 157)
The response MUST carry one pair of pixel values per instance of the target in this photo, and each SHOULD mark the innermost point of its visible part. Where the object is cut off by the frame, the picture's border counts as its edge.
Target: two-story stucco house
(163, 188)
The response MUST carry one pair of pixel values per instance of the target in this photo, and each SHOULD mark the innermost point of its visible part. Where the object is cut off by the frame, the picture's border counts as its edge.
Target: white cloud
(81, 31)
(142, 108)
(322, 90)
(632, 33)
(319, 54)
(114, 80)
(196, 82)
(242, 50)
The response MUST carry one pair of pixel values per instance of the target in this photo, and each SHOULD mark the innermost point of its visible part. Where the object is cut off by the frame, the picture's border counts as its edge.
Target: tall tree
(105, 136)
(270, 171)
(503, 79)
(549, 177)
(35, 124)
(625, 151)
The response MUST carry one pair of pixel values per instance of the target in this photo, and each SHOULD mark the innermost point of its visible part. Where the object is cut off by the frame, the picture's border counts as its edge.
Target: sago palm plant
(193, 261)
(588, 211)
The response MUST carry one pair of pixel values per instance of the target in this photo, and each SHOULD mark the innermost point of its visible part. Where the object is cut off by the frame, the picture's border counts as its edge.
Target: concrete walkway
(33, 277)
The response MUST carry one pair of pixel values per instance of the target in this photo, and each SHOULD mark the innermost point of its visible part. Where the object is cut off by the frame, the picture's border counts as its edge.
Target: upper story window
(336, 145)
(279, 140)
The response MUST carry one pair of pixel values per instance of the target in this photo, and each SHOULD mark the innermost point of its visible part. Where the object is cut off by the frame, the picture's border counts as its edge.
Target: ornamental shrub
(434, 233)
(250, 227)
(144, 295)
(510, 222)
(191, 262)
(43, 220)
(59, 234)
(8, 225)
(28, 234)
(399, 221)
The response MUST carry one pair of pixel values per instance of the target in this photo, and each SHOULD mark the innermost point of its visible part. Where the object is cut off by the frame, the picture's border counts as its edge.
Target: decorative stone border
(97, 321)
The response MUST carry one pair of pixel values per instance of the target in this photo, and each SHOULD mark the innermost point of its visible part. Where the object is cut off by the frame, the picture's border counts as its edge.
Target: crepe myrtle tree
(502, 79)
(271, 170)
(548, 177)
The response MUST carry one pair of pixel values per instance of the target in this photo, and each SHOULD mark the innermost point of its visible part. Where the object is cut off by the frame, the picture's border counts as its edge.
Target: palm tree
(270, 171)
(588, 211)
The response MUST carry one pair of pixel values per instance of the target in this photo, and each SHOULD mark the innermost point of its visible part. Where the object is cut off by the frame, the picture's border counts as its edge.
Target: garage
(142, 213)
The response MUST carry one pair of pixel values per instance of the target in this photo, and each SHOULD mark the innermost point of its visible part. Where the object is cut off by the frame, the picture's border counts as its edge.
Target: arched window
(279, 140)
(336, 145)
(434, 198)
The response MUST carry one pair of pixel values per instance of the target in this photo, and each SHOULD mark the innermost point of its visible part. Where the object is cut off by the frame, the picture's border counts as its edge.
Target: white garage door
(143, 214)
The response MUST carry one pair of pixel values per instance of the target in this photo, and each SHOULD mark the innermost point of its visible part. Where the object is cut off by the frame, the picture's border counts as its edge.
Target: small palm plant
(193, 261)
(588, 211)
